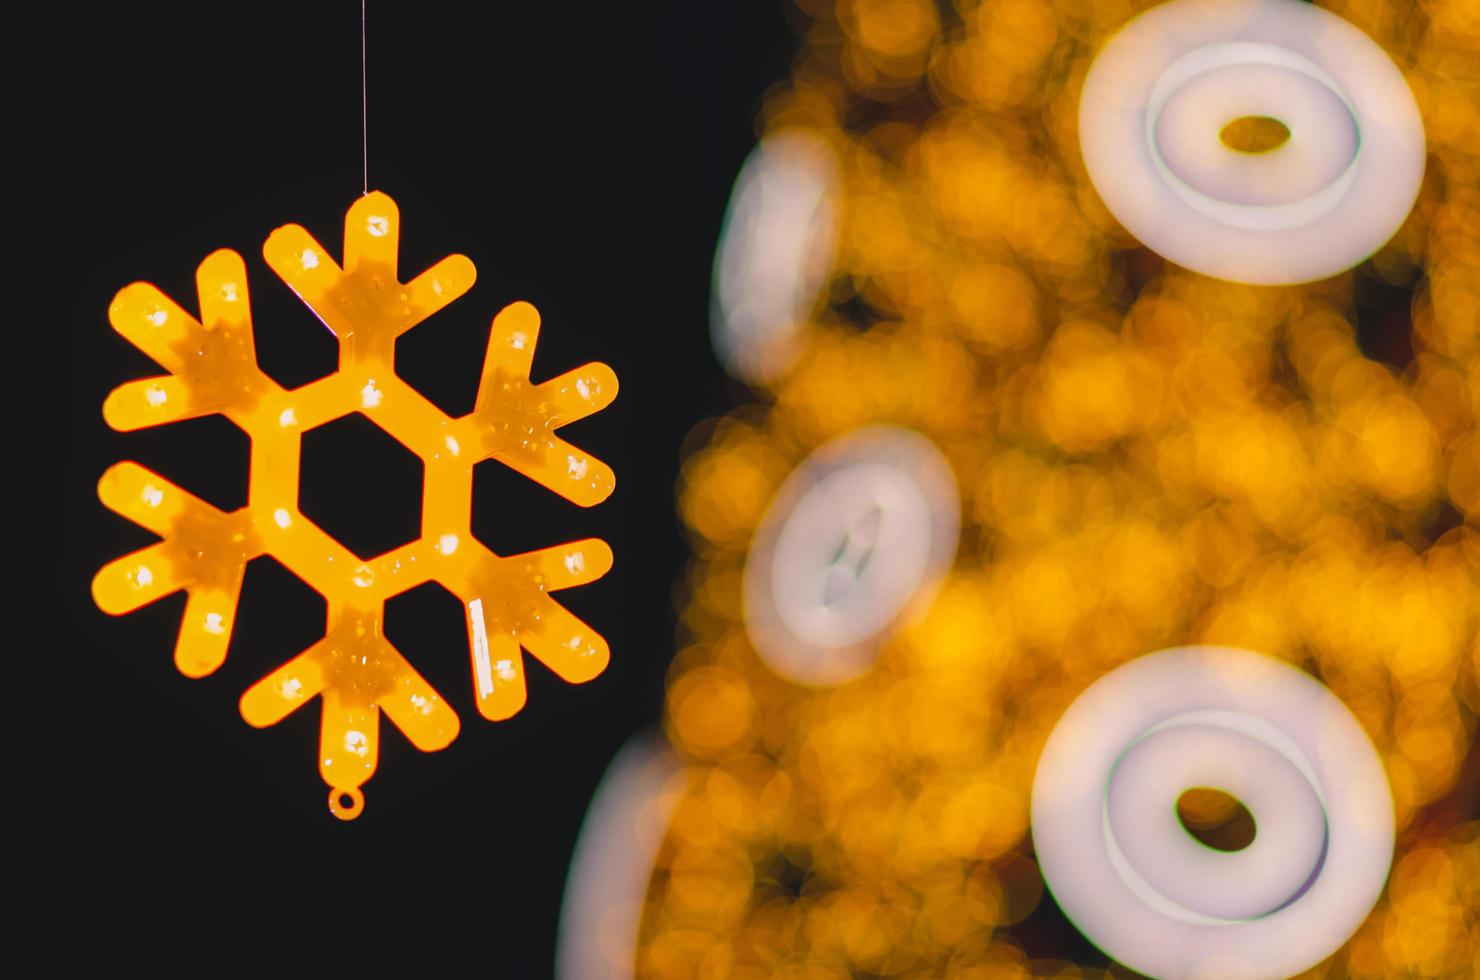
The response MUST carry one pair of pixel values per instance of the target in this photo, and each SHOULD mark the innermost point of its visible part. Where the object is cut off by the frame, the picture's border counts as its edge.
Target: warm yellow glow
(1255, 134)
(213, 368)
(1147, 458)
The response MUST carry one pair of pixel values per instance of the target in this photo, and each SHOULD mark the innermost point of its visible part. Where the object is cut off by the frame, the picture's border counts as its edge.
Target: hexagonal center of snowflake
(360, 485)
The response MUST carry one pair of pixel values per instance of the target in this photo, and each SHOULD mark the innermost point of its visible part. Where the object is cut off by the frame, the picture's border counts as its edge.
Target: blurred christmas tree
(1144, 457)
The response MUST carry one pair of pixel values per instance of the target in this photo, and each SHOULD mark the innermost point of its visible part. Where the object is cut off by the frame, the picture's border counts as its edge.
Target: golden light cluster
(1146, 458)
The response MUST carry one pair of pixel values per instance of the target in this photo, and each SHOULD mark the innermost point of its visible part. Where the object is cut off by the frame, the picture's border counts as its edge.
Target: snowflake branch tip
(212, 362)
(516, 420)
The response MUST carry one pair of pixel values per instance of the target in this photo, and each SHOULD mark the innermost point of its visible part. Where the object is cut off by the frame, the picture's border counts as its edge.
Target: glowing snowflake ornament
(355, 670)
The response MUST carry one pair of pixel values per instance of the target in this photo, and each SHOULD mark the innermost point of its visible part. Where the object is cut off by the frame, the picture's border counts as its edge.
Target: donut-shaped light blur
(1158, 96)
(613, 862)
(1132, 879)
(855, 540)
(774, 252)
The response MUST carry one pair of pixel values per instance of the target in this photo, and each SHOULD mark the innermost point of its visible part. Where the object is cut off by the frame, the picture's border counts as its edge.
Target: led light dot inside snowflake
(212, 368)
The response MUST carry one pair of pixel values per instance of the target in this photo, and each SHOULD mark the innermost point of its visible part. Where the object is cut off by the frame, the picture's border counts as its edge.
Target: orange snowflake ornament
(213, 368)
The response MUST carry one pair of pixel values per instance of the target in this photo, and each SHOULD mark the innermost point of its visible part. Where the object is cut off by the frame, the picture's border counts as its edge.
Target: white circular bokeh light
(1157, 98)
(613, 862)
(779, 237)
(1119, 862)
(857, 537)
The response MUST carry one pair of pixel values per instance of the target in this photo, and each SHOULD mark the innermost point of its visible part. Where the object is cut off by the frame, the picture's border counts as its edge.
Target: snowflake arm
(363, 303)
(508, 606)
(515, 420)
(212, 361)
(357, 674)
(205, 552)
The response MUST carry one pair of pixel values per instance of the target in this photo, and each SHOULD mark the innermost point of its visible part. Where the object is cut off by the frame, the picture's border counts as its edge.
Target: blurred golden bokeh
(1146, 458)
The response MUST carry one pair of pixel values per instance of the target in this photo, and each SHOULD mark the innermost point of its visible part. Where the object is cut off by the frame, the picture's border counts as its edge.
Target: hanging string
(364, 110)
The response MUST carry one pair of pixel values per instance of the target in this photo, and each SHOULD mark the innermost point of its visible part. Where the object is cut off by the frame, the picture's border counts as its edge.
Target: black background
(582, 156)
